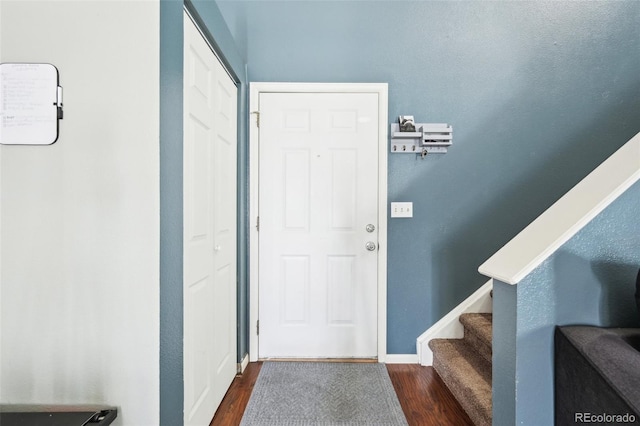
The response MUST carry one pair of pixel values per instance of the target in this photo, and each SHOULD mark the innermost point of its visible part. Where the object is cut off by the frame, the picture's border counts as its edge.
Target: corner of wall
(504, 353)
(171, 202)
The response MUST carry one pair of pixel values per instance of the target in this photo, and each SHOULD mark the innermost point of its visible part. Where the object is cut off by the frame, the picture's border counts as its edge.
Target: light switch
(404, 209)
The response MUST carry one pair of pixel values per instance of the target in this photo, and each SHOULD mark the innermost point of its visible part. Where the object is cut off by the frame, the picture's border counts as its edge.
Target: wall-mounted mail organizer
(429, 138)
(30, 104)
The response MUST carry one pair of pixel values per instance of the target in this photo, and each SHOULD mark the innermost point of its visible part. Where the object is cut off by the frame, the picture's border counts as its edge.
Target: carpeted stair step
(478, 332)
(467, 375)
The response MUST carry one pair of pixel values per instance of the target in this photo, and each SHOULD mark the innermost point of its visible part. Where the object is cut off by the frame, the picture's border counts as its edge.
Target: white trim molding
(402, 359)
(242, 365)
(254, 94)
(449, 327)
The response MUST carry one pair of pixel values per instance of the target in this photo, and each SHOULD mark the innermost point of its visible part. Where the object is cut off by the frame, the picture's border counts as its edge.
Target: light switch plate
(404, 209)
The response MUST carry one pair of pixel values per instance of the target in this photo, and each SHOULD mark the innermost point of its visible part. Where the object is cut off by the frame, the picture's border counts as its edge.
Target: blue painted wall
(538, 93)
(211, 22)
(171, 272)
(590, 280)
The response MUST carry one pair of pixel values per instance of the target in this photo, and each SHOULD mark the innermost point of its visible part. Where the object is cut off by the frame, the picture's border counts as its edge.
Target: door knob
(217, 248)
(371, 246)
(370, 227)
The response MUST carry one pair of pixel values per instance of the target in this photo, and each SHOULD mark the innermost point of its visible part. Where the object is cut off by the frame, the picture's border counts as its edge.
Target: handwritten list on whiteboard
(28, 104)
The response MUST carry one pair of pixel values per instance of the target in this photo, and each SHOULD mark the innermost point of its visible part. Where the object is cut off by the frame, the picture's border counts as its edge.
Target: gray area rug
(319, 393)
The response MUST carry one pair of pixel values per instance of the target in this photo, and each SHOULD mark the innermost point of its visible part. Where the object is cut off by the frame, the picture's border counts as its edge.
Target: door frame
(255, 89)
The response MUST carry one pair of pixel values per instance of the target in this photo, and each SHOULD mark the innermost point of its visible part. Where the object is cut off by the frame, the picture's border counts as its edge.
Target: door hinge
(258, 223)
(257, 113)
(258, 327)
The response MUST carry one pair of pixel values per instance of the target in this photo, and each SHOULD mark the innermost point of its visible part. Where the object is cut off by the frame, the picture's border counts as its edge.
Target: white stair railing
(527, 250)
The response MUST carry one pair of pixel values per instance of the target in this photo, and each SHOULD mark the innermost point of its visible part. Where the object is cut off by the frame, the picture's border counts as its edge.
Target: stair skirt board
(449, 326)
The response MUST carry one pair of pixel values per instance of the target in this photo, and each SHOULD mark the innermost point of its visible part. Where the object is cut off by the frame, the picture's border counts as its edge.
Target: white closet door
(210, 149)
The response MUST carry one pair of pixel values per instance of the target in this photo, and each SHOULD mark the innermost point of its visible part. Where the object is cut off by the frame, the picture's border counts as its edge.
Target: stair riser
(479, 344)
(477, 332)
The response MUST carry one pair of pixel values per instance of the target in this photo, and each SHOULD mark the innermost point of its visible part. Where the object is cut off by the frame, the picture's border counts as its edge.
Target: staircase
(465, 366)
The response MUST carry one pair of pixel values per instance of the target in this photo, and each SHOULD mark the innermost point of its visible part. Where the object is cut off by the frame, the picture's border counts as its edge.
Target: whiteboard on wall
(30, 104)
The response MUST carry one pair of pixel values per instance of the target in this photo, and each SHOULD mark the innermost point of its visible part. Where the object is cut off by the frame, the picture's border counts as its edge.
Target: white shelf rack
(431, 138)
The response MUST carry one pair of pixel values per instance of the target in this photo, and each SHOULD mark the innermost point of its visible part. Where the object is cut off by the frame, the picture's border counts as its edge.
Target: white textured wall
(80, 219)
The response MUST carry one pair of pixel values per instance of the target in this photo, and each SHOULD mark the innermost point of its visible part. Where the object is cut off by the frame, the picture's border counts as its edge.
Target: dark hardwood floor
(423, 396)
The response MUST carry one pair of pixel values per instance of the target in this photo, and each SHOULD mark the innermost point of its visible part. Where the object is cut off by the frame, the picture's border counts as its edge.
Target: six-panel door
(318, 194)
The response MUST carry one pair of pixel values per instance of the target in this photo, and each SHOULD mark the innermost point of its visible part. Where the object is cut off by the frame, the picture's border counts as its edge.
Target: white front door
(318, 236)
(210, 146)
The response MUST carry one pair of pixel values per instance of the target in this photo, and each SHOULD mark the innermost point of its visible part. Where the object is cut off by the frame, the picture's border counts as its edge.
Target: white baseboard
(243, 364)
(401, 359)
(449, 327)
